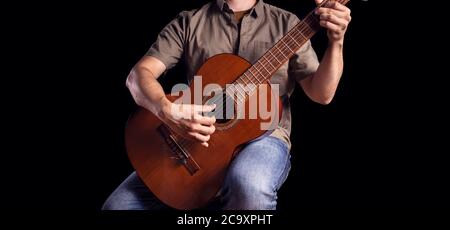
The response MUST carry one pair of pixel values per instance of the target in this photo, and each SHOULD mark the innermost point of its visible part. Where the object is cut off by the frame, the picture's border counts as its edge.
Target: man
(247, 28)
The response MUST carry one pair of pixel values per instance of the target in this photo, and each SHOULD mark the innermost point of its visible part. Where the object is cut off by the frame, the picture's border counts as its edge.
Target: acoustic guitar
(184, 174)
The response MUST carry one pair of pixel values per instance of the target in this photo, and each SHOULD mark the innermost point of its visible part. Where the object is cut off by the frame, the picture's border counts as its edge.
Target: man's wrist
(337, 44)
(164, 106)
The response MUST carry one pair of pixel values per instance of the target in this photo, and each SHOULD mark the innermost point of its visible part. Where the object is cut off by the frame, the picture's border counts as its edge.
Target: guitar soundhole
(225, 108)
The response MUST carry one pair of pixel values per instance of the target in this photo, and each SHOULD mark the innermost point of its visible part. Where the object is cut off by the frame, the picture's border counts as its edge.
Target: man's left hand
(335, 17)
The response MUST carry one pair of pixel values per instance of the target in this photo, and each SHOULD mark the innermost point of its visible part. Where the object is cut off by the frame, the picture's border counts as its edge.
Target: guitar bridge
(181, 155)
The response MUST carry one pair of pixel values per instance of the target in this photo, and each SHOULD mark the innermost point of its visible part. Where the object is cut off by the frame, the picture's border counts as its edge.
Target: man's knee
(249, 191)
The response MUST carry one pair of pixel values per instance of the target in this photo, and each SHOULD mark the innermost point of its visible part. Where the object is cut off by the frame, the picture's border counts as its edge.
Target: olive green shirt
(199, 34)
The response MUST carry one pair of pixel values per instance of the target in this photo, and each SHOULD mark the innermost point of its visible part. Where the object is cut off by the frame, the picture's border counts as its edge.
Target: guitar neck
(283, 50)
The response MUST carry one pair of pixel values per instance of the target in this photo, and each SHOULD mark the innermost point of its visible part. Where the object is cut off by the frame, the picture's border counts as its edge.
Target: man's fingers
(330, 26)
(204, 108)
(204, 120)
(201, 124)
(342, 23)
(324, 10)
(199, 137)
(205, 130)
(337, 6)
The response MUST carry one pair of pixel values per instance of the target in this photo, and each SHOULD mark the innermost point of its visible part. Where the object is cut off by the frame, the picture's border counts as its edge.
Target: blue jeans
(252, 181)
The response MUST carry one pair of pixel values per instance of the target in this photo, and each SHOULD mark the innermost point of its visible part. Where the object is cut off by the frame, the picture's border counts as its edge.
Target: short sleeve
(169, 45)
(303, 63)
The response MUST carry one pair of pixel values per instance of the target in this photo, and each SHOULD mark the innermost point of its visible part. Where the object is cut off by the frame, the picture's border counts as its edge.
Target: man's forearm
(322, 86)
(146, 90)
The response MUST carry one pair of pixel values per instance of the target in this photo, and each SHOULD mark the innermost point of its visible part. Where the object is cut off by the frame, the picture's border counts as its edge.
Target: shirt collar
(255, 11)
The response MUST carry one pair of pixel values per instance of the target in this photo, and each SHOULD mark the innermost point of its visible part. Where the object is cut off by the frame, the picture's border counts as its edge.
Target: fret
(313, 24)
(293, 39)
(251, 81)
(300, 37)
(237, 97)
(282, 41)
(240, 99)
(276, 59)
(250, 71)
(245, 74)
(306, 26)
(239, 93)
(306, 39)
(242, 93)
(254, 67)
(252, 88)
(245, 80)
(280, 50)
(277, 55)
(264, 57)
(264, 67)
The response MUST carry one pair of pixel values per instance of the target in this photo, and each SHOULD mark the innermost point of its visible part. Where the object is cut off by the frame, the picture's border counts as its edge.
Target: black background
(377, 145)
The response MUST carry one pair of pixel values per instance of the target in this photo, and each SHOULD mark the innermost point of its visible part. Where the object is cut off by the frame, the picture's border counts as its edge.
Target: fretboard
(282, 51)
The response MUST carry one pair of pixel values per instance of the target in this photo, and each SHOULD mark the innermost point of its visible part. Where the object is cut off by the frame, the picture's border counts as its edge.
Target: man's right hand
(187, 120)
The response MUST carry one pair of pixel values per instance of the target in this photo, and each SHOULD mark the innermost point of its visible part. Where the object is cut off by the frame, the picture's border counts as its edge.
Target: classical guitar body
(154, 154)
